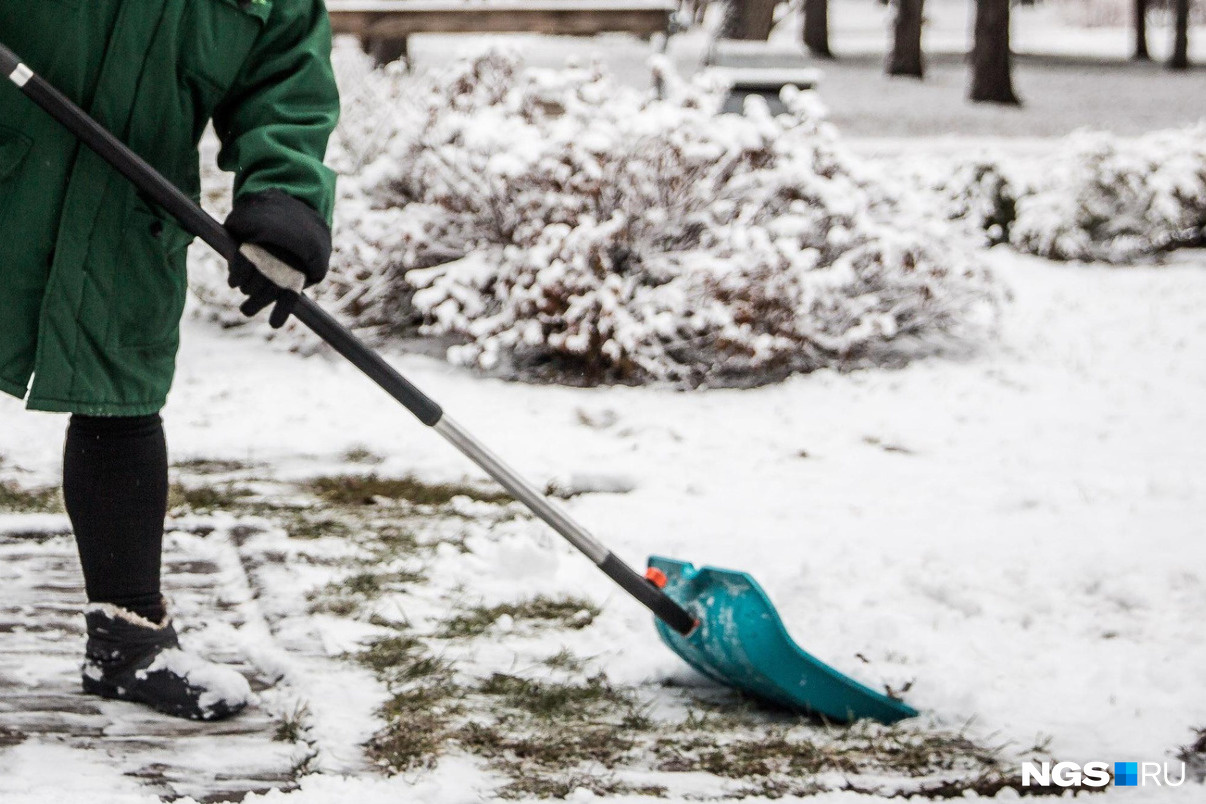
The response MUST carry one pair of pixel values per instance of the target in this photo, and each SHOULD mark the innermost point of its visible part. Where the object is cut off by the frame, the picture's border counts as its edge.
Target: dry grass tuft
(367, 489)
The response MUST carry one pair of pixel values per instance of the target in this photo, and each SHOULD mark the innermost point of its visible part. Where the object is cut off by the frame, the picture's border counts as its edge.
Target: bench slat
(769, 79)
(386, 19)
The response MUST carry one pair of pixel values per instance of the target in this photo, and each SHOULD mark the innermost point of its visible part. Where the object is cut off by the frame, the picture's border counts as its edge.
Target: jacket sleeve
(275, 121)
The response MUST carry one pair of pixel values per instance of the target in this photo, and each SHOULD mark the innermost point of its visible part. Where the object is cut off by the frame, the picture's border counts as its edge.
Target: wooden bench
(769, 79)
(384, 25)
(760, 68)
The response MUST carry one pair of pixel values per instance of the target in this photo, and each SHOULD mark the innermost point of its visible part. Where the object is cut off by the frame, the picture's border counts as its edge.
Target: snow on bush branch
(558, 225)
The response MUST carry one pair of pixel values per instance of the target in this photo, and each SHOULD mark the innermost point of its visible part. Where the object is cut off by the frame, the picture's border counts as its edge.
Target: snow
(37, 774)
(1057, 27)
(1018, 533)
(221, 686)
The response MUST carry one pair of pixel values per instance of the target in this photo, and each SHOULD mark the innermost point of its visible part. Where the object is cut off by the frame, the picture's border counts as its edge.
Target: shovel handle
(200, 223)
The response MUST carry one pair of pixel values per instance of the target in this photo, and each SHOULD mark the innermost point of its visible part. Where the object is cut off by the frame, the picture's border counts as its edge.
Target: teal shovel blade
(741, 642)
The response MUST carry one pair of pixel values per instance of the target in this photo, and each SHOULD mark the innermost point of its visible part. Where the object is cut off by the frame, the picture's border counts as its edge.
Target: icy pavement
(114, 747)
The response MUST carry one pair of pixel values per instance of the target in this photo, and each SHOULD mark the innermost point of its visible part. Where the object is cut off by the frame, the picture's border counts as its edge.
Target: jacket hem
(94, 408)
(18, 390)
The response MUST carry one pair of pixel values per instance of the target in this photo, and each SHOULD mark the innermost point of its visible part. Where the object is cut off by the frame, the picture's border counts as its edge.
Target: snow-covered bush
(561, 226)
(554, 225)
(979, 193)
(1115, 200)
(1095, 197)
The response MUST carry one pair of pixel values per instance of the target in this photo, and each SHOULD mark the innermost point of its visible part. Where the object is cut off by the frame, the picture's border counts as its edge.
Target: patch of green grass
(554, 786)
(725, 710)
(553, 699)
(208, 466)
(300, 526)
(565, 659)
(548, 738)
(373, 584)
(792, 752)
(304, 765)
(565, 612)
(365, 489)
(349, 595)
(16, 500)
(396, 540)
(552, 746)
(389, 652)
(398, 660)
(362, 454)
(551, 738)
(760, 755)
(1194, 756)
(333, 604)
(291, 725)
(779, 787)
(425, 697)
(561, 735)
(415, 741)
(363, 583)
(435, 693)
(564, 784)
(224, 497)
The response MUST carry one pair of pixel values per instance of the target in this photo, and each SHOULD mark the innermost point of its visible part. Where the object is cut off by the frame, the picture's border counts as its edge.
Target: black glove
(286, 247)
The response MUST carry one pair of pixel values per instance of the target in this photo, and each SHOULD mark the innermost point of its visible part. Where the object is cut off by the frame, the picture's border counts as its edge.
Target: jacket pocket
(13, 148)
(151, 281)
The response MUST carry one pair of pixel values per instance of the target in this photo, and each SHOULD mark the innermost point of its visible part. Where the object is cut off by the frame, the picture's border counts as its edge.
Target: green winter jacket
(92, 277)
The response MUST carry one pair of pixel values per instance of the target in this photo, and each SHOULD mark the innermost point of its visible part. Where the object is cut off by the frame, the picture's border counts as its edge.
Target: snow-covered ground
(1019, 534)
(1053, 27)
(1068, 76)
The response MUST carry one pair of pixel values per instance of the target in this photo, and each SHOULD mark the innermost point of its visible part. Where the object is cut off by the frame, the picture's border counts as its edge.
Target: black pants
(115, 486)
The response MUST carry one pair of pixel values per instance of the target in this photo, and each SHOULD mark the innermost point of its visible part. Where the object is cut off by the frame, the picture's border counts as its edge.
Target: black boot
(132, 659)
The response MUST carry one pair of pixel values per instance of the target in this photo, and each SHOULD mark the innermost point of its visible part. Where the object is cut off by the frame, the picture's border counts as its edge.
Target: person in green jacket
(93, 276)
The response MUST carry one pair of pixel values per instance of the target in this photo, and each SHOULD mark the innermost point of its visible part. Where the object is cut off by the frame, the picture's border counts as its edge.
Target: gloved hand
(286, 246)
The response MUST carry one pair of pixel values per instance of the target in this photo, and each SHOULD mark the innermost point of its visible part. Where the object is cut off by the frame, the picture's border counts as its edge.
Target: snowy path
(120, 747)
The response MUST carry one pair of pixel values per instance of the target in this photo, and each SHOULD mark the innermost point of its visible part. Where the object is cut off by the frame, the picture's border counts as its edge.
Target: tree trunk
(1141, 53)
(385, 51)
(991, 78)
(1180, 55)
(905, 58)
(816, 28)
(750, 19)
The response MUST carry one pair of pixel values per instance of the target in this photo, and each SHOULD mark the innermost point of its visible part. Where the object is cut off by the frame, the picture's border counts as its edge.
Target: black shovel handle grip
(654, 599)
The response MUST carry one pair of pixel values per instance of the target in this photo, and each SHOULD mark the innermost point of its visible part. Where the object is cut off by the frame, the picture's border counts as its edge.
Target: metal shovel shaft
(200, 223)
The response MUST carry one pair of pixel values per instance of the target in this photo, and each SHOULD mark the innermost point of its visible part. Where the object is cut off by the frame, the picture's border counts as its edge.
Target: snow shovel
(742, 642)
(720, 622)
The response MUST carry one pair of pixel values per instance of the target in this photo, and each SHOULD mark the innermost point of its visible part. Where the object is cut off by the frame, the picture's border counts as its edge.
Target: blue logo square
(1126, 774)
